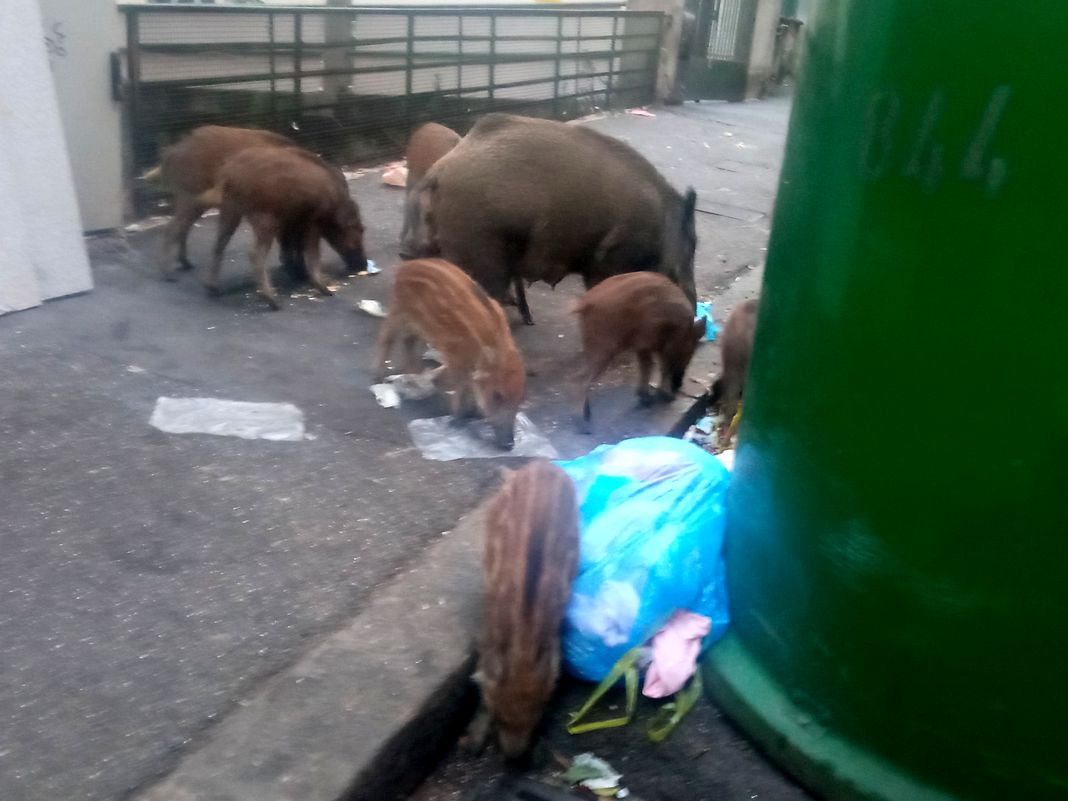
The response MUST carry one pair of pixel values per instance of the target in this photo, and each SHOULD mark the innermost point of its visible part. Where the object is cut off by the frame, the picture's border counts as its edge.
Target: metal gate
(351, 83)
(719, 55)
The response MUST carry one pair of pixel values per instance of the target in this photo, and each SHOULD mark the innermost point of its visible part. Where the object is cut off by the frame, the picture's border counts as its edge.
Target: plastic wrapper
(273, 421)
(442, 440)
(652, 514)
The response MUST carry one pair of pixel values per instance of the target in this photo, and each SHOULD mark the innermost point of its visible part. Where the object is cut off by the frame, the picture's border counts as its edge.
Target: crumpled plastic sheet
(438, 439)
(704, 309)
(278, 422)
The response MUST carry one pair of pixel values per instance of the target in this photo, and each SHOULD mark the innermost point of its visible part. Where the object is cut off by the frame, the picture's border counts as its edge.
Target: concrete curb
(357, 717)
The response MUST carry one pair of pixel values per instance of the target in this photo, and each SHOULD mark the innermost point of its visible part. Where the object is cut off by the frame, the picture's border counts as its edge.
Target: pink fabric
(675, 650)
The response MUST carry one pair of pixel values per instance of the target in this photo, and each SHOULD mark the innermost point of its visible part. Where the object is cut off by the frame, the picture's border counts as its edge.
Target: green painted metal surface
(898, 540)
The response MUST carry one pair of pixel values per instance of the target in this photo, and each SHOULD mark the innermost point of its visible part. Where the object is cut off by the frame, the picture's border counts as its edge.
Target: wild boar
(642, 313)
(531, 556)
(538, 199)
(736, 346)
(428, 144)
(191, 169)
(439, 303)
(287, 193)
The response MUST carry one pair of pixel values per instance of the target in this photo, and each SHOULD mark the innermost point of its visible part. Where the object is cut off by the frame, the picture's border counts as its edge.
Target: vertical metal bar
(578, 63)
(274, 69)
(654, 57)
(492, 59)
(460, 62)
(611, 63)
(133, 100)
(298, 64)
(559, 54)
(409, 65)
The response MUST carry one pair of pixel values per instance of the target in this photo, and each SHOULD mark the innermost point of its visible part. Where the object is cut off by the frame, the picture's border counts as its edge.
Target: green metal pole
(898, 531)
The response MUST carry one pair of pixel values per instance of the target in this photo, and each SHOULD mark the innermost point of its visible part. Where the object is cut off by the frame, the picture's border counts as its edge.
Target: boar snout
(355, 259)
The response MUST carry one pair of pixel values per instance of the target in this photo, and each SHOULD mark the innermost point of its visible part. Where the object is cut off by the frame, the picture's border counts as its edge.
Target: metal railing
(352, 83)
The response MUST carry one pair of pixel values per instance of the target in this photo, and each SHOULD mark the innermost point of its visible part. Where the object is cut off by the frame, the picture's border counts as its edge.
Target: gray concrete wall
(762, 50)
(42, 255)
(667, 69)
(81, 34)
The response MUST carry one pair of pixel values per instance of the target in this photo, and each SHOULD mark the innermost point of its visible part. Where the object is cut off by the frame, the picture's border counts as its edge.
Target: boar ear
(699, 328)
(689, 206)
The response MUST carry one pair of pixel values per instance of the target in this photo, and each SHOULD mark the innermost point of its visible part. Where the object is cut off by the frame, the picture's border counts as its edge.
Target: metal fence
(351, 83)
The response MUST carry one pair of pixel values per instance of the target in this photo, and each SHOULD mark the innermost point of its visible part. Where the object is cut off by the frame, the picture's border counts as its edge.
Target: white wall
(82, 34)
(42, 254)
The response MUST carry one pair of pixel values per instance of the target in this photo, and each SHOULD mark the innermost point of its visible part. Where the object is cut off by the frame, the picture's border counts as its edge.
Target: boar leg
(313, 260)
(521, 302)
(594, 368)
(413, 363)
(265, 229)
(478, 732)
(387, 335)
(229, 219)
(186, 212)
(463, 403)
(664, 389)
(645, 371)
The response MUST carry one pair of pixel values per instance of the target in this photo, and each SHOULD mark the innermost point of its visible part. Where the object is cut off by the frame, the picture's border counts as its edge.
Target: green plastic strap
(668, 716)
(625, 668)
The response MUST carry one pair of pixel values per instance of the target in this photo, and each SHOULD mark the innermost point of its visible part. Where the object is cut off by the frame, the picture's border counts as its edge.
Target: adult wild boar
(287, 193)
(532, 199)
(191, 168)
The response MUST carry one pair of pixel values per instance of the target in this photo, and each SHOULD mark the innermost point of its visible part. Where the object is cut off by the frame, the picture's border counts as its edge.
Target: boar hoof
(665, 395)
(170, 275)
(185, 264)
(645, 397)
(212, 290)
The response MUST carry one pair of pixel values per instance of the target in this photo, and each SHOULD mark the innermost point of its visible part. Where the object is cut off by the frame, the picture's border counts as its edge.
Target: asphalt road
(150, 581)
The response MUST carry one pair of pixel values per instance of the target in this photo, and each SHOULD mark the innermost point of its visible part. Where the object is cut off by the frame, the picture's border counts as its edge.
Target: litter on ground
(279, 422)
(704, 309)
(386, 395)
(146, 224)
(441, 439)
(414, 386)
(395, 174)
(594, 774)
(640, 112)
(371, 307)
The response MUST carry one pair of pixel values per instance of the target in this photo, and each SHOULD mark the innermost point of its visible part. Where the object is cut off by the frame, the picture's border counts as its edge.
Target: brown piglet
(439, 303)
(428, 144)
(639, 312)
(191, 169)
(290, 195)
(736, 345)
(531, 556)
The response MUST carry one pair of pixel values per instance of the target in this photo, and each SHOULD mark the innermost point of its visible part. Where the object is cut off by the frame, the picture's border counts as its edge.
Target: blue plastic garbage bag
(651, 518)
